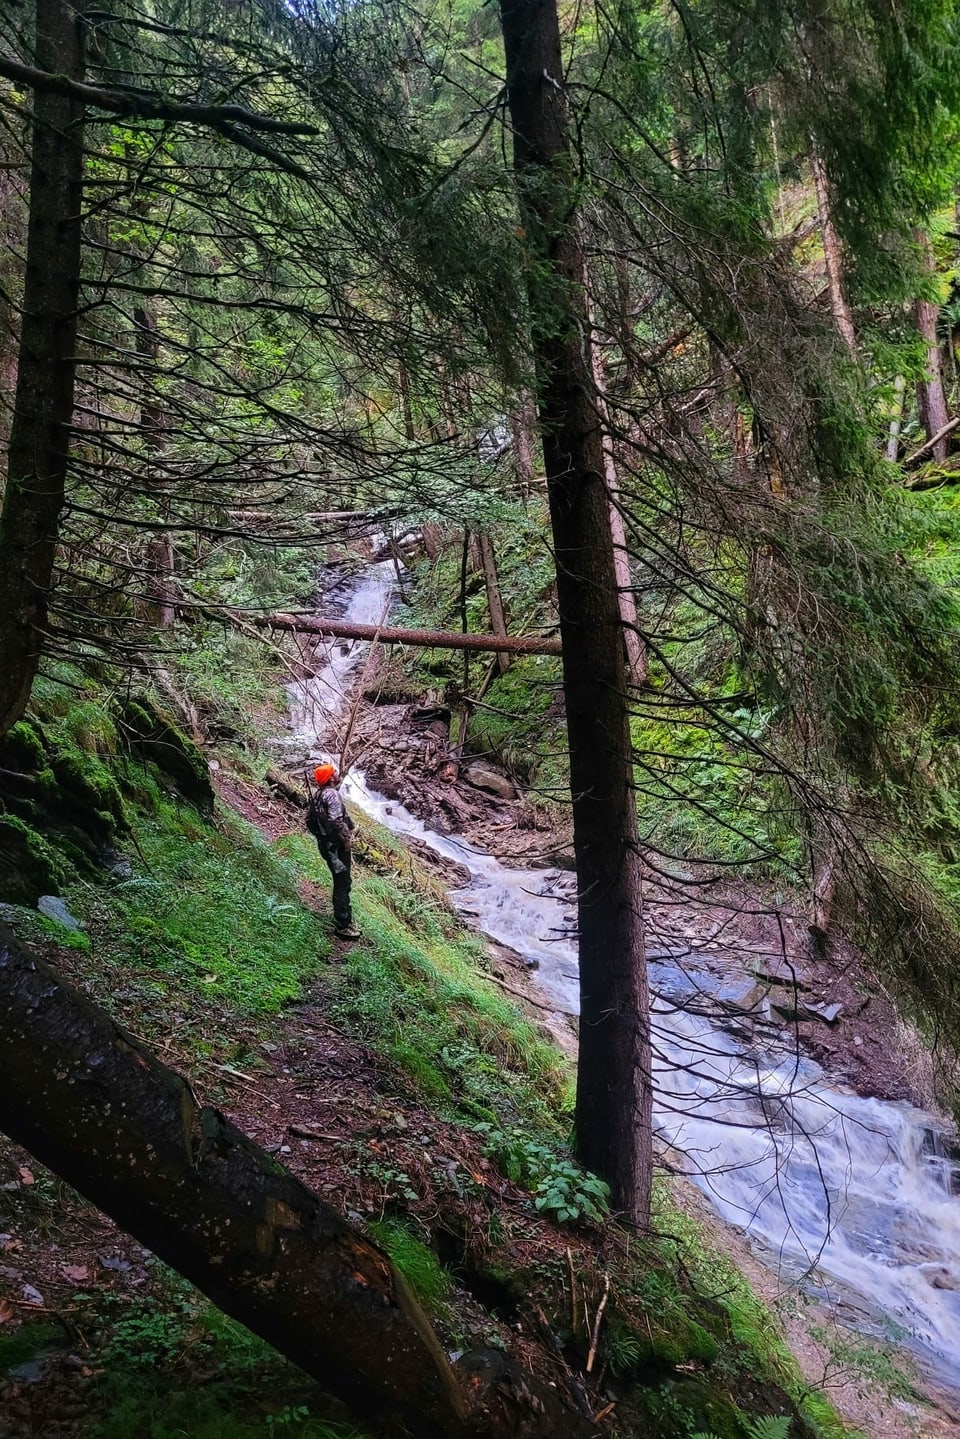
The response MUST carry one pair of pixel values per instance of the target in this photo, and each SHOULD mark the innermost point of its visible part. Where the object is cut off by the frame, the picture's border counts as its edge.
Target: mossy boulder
(22, 749)
(63, 795)
(86, 793)
(712, 1411)
(148, 731)
(29, 866)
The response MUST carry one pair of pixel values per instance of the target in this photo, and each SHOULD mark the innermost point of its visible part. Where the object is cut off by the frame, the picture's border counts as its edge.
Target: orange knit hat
(324, 773)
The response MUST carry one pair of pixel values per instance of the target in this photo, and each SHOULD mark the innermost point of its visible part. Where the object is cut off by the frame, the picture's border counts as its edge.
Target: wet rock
(482, 776)
(54, 908)
(799, 1011)
(940, 1276)
(781, 972)
(430, 719)
(116, 863)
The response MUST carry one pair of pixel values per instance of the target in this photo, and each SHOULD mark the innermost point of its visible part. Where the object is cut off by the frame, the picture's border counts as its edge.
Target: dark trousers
(338, 862)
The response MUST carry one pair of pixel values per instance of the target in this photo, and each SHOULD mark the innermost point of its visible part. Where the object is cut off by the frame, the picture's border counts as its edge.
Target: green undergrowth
(520, 723)
(755, 1338)
(416, 992)
(702, 801)
(171, 1365)
(209, 908)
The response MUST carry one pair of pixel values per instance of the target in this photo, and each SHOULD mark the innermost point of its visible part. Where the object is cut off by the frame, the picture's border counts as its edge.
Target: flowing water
(858, 1198)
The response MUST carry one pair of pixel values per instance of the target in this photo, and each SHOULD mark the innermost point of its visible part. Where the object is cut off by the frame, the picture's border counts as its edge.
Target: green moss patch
(209, 908)
(418, 1264)
(29, 866)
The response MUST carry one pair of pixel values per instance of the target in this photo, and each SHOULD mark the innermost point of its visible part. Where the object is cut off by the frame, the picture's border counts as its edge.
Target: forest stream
(856, 1199)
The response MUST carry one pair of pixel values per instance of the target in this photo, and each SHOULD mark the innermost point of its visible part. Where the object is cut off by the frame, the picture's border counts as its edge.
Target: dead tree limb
(389, 635)
(934, 440)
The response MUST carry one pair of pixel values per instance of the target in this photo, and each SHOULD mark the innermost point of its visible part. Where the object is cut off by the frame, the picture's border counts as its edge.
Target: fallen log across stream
(391, 635)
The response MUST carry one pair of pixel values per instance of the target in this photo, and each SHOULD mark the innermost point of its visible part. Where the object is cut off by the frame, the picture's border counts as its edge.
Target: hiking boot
(347, 931)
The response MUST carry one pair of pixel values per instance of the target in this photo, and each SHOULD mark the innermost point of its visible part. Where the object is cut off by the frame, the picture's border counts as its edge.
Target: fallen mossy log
(390, 635)
(99, 1109)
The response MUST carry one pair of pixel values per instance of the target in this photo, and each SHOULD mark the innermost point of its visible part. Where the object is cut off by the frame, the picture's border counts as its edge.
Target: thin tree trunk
(158, 559)
(931, 400)
(406, 404)
(494, 599)
(896, 419)
(43, 408)
(832, 254)
(464, 625)
(636, 653)
(613, 1126)
(522, 429)
(99, 1109)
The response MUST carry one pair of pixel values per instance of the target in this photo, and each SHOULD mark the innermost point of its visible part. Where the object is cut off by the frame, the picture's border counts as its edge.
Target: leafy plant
(768, 1426)
(561, 1188)
(622, 1350)
(292, 1414)
(568, 1193)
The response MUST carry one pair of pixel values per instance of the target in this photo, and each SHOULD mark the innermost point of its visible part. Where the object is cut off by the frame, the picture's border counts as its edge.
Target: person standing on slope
(332, 828)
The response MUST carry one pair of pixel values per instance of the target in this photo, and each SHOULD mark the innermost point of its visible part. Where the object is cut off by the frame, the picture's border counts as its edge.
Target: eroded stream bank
(856, 1197)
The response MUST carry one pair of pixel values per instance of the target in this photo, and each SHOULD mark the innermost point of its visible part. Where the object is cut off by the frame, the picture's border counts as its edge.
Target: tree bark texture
(832, 255)
(634, 645)
(491, 580)
(43, 404)
(931, 399)
(613, 1086)
(523, 421)
(390, 634)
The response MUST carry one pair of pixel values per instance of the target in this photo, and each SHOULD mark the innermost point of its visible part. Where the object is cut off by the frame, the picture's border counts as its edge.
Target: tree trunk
(832, 255)
(931, 400)
(391, 635)
(43, 407)
(494, 599)
(99, 1109)
(613, 1085)
(93, 1104)
(896, 419)
(158, 559)
(522, 430)
(406, 403)
(633, 644)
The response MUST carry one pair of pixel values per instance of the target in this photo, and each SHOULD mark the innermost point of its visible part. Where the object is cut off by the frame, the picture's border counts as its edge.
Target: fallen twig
(597, 1321)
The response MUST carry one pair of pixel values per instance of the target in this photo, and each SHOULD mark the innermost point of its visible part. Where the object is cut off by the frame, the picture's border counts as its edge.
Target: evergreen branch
(145, 105)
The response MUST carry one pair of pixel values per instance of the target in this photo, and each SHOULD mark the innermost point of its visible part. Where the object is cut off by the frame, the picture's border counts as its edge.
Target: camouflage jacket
(327, 818)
